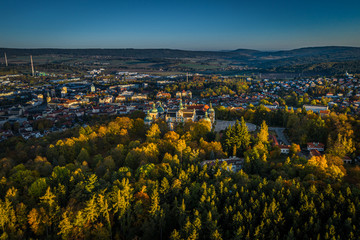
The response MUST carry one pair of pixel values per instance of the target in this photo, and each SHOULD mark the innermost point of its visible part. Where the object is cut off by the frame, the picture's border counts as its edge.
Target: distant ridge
(304, 55)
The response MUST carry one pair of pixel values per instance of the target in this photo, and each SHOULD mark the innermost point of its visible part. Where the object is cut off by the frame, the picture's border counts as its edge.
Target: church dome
(211, 109)
(206, 118)
(160, 109)
(148, 117)
(154, 110)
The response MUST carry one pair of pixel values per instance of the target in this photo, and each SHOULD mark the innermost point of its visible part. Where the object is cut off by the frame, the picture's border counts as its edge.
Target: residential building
(316, 109)
(184, 94)
(315, 146)
(235, 162)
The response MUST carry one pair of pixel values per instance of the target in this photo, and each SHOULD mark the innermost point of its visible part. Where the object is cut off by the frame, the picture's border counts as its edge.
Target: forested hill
(245, 56)
(125, 52)
(311, 55)
(126, 180)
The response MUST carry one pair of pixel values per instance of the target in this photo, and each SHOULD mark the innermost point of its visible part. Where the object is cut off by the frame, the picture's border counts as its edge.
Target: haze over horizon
(185, 25)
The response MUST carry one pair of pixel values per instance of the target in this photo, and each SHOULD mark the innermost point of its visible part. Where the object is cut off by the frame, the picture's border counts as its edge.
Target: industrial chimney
(6, 63)
(32, 66)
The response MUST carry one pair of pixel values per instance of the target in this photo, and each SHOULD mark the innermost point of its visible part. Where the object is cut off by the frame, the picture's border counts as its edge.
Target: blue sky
(185, 24)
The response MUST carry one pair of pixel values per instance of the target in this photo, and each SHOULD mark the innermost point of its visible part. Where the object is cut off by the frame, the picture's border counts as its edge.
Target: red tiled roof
(198, 107)
(272, 137)
(315, 152)
(284, 146)
(315, 145)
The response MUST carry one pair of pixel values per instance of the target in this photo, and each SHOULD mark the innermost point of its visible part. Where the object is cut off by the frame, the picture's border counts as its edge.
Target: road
(280, 134)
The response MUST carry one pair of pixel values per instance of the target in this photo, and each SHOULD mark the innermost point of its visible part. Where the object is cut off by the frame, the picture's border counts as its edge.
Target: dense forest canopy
(125, 180)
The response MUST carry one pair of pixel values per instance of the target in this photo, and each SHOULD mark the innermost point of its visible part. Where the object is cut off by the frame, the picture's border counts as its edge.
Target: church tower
(154, 112)
(148, 119)
(48, 98)
(211, 113)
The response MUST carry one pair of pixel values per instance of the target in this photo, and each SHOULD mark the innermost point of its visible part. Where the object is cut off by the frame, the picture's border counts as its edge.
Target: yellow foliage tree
(153, 132)
(318, 162)
(171, 136)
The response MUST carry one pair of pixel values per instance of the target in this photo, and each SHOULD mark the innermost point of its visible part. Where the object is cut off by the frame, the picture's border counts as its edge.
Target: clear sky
(179, 24)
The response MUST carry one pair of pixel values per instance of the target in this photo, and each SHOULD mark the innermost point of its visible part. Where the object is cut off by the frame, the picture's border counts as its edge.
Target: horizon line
(177, 49)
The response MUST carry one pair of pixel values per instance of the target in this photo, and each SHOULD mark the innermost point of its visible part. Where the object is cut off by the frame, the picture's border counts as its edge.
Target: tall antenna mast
(32, 66)
(6, 63)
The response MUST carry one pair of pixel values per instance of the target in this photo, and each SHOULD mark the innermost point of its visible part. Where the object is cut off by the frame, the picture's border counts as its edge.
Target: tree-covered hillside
(125, 180)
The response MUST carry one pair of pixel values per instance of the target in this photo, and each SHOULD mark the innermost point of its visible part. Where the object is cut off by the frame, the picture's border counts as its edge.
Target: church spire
(180, 104)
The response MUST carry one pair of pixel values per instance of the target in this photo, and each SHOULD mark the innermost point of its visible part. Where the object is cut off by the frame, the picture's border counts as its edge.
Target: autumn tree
(263, 135)
(153, 132)
(341, 147)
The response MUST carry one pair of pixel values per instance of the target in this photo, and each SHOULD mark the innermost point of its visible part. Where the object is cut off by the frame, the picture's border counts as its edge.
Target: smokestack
(187, 77)
(32, 66)
(6, 63)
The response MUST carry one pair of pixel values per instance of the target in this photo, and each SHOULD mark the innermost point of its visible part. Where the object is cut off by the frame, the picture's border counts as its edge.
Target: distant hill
(311, 51)
(309, 55)
(262, 59)
(126, 52)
